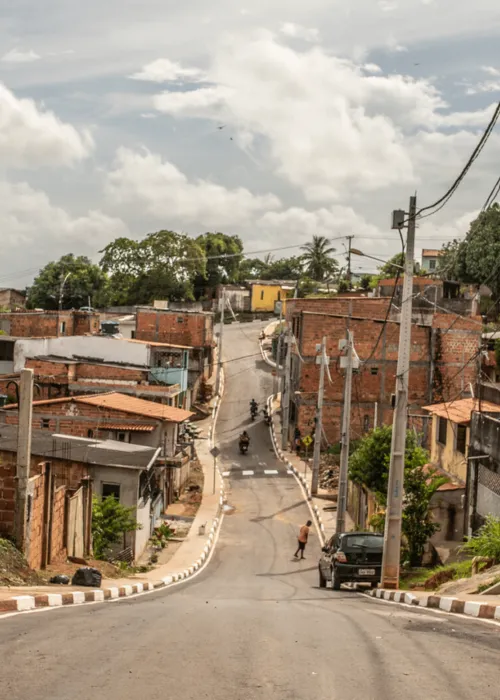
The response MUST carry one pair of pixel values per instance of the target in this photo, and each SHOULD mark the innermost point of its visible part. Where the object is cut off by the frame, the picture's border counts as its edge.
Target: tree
(110, 521)
(365, 282)
(390, 268)
(219, 270)
(85, 280)
(284, 269)
(369, 466)
(161, 266)
(318, 259)
(251, 269)
(475, 259)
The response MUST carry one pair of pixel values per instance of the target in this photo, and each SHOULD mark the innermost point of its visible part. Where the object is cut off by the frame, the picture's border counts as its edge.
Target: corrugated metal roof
(121, 402)
(460, 411)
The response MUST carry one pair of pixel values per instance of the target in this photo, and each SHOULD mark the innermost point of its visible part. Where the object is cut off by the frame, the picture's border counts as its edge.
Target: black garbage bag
(60, 578)
(87, 576)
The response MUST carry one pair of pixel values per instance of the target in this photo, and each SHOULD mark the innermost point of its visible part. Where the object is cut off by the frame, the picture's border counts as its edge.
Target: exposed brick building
(438, 355)
(46, 324)
(12, 299)
(191, 328)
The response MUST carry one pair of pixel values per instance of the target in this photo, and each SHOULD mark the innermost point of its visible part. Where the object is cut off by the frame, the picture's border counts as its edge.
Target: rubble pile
(329, 478)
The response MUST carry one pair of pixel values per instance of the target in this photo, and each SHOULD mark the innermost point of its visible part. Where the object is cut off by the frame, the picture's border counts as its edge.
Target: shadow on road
(278, 512)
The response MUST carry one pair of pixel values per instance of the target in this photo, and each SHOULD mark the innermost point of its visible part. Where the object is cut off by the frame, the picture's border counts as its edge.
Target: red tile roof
(122, 402)
(133, 427)
(460, 411)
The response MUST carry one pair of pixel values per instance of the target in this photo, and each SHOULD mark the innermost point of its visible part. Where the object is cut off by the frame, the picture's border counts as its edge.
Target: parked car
(351, 557)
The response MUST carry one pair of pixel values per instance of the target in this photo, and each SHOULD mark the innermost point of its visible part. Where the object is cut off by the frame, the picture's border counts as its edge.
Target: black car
(351, 556)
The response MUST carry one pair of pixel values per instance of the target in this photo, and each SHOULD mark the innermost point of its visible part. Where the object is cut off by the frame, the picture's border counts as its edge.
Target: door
(326, 562)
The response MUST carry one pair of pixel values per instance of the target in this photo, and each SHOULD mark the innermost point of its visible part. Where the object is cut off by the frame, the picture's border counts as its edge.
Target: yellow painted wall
(264, 297)
(446, 456)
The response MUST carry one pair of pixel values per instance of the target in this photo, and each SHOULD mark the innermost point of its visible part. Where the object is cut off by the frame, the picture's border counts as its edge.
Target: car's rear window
(362, 541)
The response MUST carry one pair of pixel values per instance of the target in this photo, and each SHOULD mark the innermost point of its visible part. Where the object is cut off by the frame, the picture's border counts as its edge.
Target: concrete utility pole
(61, 289)
(346, 427)
(277, 374)
(25, 413)
(392, 535)
(349, 239)
(219, 344)
(319, 418)
(285, 393)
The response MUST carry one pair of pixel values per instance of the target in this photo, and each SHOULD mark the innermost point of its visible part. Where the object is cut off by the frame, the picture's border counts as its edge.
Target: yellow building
(450, 433)
(269, 295)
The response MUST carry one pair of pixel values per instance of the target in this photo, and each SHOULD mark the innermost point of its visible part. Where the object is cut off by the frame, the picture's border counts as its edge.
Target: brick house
(72, 365)
(438, 352)
(189, 328)
(65, 472)
(12, 299)
(47, 324)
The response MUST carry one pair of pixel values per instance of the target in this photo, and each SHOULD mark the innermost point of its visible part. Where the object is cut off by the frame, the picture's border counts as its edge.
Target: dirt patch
(192, 495)
(68, 568)
(14, 570)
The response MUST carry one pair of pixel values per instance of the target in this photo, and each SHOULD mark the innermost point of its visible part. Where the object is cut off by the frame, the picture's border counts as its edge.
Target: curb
(265, 356)
(24, 603)
(299, 477)
(471, 608)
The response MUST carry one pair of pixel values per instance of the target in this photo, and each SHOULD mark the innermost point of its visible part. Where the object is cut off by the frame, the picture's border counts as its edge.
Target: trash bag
(87, 576)
(60, 578)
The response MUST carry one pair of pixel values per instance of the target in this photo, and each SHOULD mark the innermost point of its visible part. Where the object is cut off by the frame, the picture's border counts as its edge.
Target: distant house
(430, 259)
(48, 324)
(268, 296)
(12, 299)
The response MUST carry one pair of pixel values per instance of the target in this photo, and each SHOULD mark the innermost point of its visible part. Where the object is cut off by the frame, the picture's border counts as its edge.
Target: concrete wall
(446, 456)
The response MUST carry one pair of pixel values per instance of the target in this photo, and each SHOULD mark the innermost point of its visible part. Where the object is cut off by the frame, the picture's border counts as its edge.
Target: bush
(110, 521)
(486, 542)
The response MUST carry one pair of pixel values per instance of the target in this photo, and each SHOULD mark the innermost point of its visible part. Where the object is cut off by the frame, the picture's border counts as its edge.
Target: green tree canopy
(85, 280)
(219, 270)
(110, 521)
(284, 269)
(163, 265)
(475, 259)
(318, 260)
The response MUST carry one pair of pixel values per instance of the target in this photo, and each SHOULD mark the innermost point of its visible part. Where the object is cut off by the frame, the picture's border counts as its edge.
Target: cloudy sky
(272, 120)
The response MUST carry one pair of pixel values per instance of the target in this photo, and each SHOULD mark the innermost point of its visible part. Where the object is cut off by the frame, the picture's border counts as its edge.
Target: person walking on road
(303, 536)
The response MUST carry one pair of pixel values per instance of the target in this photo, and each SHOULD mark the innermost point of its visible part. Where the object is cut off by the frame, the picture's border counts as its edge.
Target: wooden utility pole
(394, 512)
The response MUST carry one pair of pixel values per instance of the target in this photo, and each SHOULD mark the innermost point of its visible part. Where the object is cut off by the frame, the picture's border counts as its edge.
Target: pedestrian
(303, 536)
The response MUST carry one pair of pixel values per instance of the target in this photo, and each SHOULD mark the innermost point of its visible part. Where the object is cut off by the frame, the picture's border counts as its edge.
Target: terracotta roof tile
(460, 411)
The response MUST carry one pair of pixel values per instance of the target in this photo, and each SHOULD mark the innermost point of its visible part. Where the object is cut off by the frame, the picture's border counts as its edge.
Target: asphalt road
(254, 624)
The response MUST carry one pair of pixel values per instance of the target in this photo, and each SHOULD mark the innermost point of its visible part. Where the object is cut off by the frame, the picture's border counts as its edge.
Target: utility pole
(285, 394)
(25, 413)
(319, 418)
(346, 427)
(61, 289)
(219, 348)
(392, 535)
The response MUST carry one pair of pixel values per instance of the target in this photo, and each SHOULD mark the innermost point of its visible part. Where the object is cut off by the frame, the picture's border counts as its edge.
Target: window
(90, 433)
(122, 437)
(374, 370)
(132, 335)
(6, 352)
(111, 490)
(432, 264)
(461, 438)
(279, 296)
(442, 430)
(63, 327)
(262, 295)
(366, 424)
(180, 319)
(45, 423)
(144, 486)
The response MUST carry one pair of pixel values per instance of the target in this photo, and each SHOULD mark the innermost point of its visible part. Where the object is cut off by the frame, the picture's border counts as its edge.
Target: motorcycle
(254, 410)
(267, 417)
(244, 444)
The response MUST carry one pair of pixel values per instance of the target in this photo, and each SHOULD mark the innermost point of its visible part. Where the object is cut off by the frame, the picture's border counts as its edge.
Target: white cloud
(144, 179)
(33, 229)
(18, 56)
(485, 86)
(388, 5)
(165, 71)
(329, 128)
(31, 137)
(372, 68)
(491, 70)
(297, 31)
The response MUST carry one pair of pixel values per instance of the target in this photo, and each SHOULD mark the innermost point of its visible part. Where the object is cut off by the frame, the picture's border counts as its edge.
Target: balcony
(169, 375)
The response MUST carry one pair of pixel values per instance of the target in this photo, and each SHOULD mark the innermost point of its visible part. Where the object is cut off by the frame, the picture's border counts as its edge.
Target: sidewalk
(189, 558)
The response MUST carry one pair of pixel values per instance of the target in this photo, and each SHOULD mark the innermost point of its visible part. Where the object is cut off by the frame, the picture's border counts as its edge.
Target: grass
(485, 586)
(437, 576)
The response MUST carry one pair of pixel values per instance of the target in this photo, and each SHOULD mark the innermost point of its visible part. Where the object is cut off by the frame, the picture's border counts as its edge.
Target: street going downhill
(254, 623)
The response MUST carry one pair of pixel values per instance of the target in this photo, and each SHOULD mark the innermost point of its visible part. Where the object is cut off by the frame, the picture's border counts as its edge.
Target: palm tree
(318, 258)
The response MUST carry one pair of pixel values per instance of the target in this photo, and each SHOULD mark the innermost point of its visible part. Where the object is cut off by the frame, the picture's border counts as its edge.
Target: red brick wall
(459, 340)
(58, 550)
(87, 370)
(7, 497)
(176, 327)
(85, 323)
(35, 524)
(365, 307)
(44, 368)
(47, 324)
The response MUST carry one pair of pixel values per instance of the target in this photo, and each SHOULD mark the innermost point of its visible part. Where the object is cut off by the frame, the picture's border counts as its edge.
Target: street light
(355, 251)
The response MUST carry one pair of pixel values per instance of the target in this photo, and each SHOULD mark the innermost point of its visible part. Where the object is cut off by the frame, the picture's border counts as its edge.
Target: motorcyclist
(244, 438)
(254, 406)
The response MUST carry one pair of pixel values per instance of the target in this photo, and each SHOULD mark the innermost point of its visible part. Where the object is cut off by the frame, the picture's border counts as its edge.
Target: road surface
(254, 624)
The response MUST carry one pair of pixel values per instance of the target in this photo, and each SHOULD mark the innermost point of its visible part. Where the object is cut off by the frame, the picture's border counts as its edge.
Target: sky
(274, 121)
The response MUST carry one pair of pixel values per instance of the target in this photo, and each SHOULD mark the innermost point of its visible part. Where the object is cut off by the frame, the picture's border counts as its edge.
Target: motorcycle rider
(254, 407)
(244, 438)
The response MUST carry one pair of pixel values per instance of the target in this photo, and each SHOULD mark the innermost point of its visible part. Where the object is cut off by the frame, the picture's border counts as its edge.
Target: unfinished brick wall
(46, 369)
(365, 307)
(85, 323)
(7, 497)
(35, 526)
(49, 324)
(176, 327)
(457, 341)
(58, 550)
(89, 371)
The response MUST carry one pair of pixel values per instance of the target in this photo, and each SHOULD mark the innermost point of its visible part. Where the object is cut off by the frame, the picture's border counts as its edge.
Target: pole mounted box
(398, 218)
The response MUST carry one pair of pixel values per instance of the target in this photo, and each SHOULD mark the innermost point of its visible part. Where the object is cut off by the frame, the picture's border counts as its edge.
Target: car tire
(374, 584)
(335, 581)
(322, 579)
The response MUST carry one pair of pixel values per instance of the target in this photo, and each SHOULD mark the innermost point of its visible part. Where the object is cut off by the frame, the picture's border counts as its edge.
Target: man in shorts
(303, 535)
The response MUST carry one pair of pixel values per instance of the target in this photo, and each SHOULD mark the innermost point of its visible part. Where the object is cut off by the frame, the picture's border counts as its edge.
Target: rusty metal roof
(460, 411)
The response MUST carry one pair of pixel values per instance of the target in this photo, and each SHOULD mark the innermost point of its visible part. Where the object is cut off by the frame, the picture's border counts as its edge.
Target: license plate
(367, 572)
